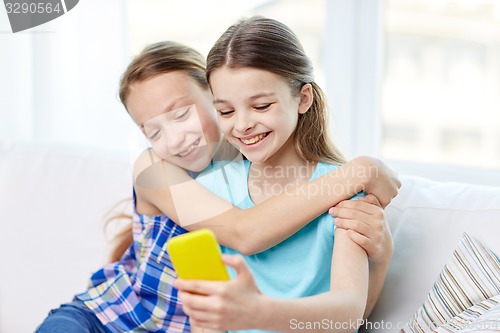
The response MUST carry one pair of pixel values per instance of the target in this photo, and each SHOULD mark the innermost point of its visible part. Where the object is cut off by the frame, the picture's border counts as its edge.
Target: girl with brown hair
(271, 109)
(165, 92)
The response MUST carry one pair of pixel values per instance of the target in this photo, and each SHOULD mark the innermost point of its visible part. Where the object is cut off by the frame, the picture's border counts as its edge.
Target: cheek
(207, 124)
(225, 126)
(160, 149)
(194, 125)
(287, 121)
(209, 128)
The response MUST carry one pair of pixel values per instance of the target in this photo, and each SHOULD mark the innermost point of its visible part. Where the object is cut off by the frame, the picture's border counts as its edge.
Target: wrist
(380, 263)
(264, 317)
(361, 169)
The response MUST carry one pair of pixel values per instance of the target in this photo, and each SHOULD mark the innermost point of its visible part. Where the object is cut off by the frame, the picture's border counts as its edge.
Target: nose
(244, 122)
(174, 139)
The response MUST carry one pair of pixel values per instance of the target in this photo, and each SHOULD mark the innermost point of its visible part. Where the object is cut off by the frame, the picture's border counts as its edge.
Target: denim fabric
(73, 317)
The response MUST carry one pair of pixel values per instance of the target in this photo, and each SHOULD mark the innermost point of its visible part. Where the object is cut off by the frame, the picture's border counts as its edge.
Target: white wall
(59, 81)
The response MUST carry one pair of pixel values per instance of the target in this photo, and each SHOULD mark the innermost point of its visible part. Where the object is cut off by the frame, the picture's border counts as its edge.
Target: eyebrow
(170, 107)
(251, 98)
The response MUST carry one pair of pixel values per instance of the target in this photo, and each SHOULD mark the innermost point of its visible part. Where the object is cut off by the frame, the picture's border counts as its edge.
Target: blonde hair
(155, 59)
(267, 44)
(159, 58)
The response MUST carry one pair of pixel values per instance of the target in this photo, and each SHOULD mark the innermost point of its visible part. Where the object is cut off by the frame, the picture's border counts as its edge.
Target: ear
(306, 98)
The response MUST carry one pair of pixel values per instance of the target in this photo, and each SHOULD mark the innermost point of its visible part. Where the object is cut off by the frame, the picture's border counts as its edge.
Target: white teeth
(190, 149)
(185, 152)
(253, 140)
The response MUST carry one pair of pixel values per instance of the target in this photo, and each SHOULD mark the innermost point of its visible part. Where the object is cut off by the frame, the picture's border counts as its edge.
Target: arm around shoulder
(377, 177)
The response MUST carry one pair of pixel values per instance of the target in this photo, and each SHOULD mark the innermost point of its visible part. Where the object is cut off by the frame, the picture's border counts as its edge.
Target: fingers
(194, 302)
(385, 191)
(202, 326)
(371, 199)
(238, 263)
(199, 286)
(362, 241)
(351, 213)
(390, 192)
(359, 205)
(366, 225)
(201, 318)
(213, 304)
(364, 222)
(355, 225)
(213, 287)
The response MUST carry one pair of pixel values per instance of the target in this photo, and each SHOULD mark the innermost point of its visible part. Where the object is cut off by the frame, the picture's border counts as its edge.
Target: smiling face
(257, 112)
(177, 117)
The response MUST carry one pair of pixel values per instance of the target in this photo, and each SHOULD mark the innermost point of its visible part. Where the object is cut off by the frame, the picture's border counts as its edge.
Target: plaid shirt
(136, 294)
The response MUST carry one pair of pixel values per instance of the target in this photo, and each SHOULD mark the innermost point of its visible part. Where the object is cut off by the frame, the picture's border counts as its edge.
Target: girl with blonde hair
(165, 91)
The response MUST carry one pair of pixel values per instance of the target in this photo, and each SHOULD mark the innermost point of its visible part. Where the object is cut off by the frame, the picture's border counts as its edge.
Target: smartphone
(196, 256)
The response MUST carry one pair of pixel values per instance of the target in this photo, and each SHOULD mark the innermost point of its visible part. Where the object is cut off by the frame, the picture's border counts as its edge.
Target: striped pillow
(482, 317)
(470, 277)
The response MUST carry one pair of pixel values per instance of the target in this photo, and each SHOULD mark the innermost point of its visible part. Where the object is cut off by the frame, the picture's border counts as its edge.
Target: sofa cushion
(427, 220)
(471, 276)
(54, 200)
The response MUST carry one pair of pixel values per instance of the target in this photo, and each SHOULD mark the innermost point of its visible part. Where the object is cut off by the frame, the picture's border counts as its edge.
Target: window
(416, 82)
(176, 20)
(441, 75)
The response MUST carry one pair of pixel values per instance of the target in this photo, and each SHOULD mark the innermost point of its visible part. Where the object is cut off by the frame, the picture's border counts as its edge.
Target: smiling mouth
(189, 149)
(254, 139)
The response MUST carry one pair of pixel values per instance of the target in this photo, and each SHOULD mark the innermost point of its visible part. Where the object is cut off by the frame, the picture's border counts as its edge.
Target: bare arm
(164, 188)
(341, 309)
(378, 273)
(366, 225)
(238, 304)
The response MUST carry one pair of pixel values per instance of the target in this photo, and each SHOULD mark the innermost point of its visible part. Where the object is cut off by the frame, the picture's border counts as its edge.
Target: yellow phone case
(196, 256)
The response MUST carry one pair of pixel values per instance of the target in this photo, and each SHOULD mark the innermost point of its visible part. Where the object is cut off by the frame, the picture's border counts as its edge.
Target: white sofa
(54, 199)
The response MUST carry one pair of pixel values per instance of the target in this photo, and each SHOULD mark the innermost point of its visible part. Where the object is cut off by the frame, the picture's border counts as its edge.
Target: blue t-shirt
(297, 267)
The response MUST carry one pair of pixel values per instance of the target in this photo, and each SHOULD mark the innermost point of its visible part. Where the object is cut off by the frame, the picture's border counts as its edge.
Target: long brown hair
(155, 59)
(267, 44)
(121, 224)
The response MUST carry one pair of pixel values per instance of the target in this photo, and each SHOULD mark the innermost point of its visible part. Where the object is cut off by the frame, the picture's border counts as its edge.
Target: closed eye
(183, 115)
(154, 135)
(263, 107)
(225, 113)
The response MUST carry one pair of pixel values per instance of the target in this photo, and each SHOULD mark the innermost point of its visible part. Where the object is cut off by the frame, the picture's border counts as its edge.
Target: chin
(197, 169)
(255, 159)
(199, 165)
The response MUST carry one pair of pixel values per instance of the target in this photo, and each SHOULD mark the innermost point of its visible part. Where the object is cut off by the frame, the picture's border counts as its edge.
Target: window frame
(354, 41)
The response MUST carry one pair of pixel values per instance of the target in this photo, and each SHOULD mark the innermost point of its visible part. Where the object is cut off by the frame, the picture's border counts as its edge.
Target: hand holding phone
(196, 256)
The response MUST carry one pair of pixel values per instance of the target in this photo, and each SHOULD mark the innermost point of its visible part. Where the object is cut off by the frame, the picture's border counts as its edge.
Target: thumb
(238, 263)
